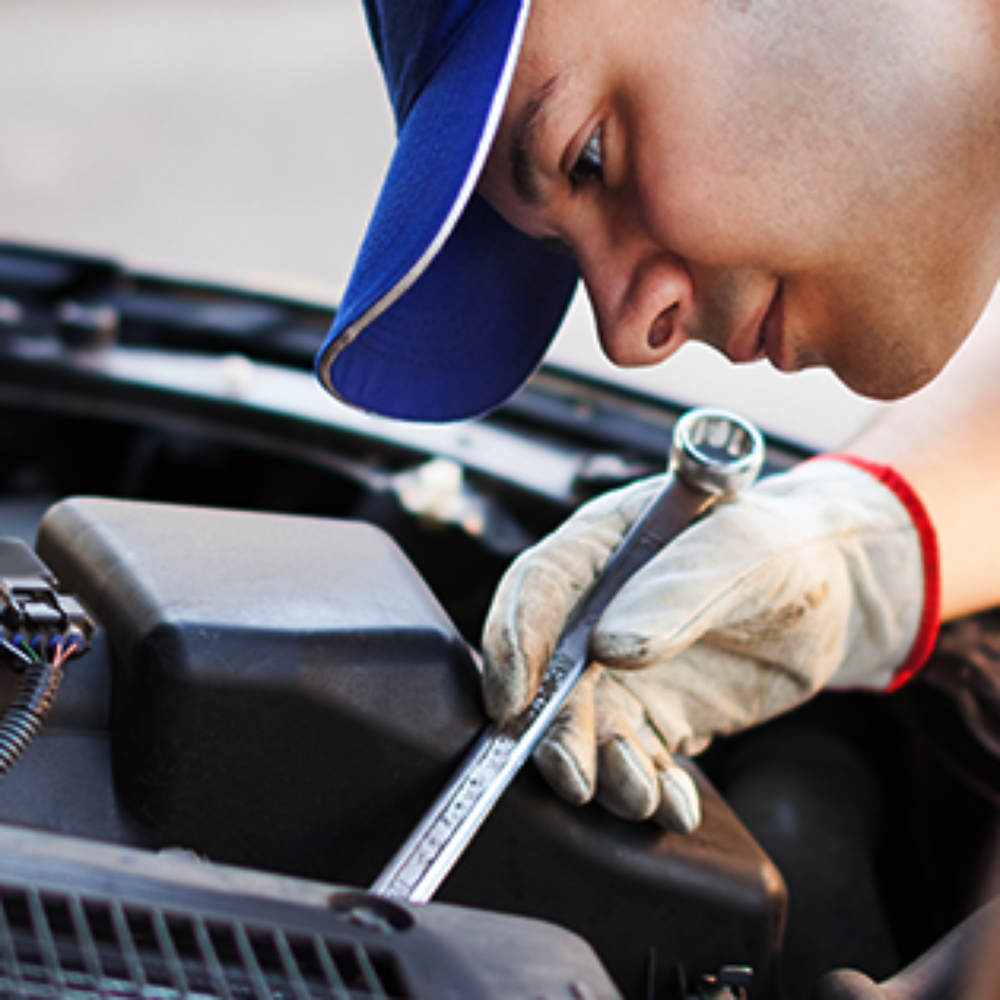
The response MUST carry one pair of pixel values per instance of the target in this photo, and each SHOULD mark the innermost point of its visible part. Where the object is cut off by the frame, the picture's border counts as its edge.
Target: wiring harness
(40, 630)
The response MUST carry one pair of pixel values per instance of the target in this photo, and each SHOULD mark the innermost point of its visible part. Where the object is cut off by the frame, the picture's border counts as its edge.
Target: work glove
(822, 576)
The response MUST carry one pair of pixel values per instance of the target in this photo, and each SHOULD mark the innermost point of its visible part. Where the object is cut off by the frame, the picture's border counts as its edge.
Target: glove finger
(638, 779)
(626, 775)
(659, 732)
(627, 783)
(637, 776)
(567, 755)
(680, 804)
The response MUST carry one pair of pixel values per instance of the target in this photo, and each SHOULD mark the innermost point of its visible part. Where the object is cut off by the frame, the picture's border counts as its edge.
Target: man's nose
(641, 294)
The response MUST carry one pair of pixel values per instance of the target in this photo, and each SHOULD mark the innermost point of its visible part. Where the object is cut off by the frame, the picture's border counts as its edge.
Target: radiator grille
(66, 945)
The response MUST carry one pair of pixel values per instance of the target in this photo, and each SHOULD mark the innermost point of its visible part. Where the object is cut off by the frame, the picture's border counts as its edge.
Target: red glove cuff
(930, 619)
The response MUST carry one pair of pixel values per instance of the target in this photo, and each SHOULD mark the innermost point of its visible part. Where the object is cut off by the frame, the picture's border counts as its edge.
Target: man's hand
(825, 575)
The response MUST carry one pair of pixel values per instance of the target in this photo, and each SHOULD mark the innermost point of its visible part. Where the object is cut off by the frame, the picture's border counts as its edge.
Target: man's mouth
(764, 339)
(772, 331)
(761, 338)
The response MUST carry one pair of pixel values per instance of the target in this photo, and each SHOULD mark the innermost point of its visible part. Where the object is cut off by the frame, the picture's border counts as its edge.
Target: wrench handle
(713, 455)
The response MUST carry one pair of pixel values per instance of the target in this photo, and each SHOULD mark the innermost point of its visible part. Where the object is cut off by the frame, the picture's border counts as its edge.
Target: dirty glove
(822, 576)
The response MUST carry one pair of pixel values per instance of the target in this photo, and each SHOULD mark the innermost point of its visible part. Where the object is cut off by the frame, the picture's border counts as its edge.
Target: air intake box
(287, 694)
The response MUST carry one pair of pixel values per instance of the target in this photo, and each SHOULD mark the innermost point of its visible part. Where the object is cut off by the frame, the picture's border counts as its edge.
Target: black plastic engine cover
(284, 690)
(287, 694)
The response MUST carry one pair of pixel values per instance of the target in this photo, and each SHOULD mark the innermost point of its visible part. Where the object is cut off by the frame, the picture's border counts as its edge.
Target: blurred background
(245, 141)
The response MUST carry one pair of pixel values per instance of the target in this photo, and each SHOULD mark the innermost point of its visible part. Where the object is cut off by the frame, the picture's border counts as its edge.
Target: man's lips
(772, 330)
(762, 337)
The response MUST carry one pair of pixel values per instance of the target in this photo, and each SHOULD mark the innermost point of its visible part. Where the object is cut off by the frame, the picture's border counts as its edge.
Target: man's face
(810, 181)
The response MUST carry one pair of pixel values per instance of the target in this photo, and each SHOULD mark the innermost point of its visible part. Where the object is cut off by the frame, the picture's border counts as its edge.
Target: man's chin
(888, 383)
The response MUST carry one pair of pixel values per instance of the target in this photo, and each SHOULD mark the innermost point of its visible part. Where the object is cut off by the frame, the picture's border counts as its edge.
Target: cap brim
(449, 309)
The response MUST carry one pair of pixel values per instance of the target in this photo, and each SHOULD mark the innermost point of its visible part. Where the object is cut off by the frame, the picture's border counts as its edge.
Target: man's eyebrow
(521, 146)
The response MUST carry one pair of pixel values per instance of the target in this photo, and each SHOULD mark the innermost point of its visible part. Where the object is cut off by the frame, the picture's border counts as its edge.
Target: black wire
(26, 712)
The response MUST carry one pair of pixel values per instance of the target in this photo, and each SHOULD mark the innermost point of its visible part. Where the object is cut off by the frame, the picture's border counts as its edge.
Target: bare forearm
(945, 441)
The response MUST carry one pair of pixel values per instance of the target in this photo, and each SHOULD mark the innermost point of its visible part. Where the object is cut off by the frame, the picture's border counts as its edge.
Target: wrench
(713, 455)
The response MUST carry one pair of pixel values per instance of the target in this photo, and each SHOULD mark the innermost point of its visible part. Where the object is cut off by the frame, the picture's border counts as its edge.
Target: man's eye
(589, 164)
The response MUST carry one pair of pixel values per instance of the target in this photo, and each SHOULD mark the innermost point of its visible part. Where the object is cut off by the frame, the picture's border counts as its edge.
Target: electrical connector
(35, 618)
(40, 629)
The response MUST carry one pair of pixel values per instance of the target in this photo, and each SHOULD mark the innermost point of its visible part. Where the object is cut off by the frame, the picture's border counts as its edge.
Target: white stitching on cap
(352, 332)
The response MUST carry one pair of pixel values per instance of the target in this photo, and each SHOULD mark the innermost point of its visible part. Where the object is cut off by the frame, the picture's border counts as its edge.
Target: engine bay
(287, 598)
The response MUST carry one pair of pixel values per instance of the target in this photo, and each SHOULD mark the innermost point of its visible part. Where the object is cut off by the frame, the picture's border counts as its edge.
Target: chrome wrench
(713, 455)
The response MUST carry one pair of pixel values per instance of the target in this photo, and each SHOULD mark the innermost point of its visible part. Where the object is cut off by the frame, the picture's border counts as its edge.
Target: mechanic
(814, 182)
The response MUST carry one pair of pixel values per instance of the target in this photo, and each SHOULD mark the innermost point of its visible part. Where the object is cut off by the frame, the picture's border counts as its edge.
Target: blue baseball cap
(449, 309)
